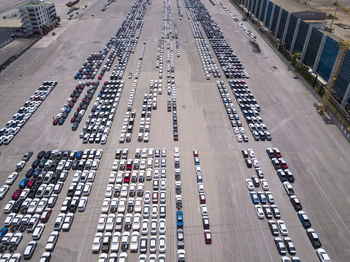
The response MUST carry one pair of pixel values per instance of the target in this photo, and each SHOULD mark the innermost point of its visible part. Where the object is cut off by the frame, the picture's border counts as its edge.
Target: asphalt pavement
(316, 153)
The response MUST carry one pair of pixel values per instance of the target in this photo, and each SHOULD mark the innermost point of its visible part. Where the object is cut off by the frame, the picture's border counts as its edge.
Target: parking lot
(154, 73)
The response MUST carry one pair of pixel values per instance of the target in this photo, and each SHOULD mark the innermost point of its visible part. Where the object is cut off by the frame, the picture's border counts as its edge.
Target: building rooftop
(10, 22)
(33, 3)
(341, 25)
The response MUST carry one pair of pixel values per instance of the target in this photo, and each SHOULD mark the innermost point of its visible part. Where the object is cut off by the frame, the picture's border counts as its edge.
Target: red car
(16, 194)
(45, 215)
(127, 177)
(277, 152)
(207, 237)
(99, 77)
(129, 165)
(202, 199)
(155, 198)
(283, 163)
(31, 182)
(195, 153)
(72, 120)
(55, 122)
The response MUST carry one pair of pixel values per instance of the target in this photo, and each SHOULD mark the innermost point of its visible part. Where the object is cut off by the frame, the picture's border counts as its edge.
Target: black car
(17, 206)
(75, 165)
(296, 203)
(73, 205)
(315, 241)
(248, 162)
(47, 155)
(29, 172)
(106, 243)
(40, 155)
(35, 163)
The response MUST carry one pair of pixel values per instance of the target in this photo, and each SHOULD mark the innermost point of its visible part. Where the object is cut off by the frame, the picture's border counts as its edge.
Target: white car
(105, 206)
(134, 243)
(181, 255)
(97, 242)
(259, 211)
(146, 211)
(9, 206)
(264, 184)
(249, 183)
(322, 255)
(138, 205)
(147, 197)
(38, 231)
(162, 244)
(110, 222)
(154, 213)
(11, 178)
(269, 197)
(101, 223)
(123, 257)
(153, 244)
(153, 226)
(112, 177)
(288, 187)
(51, 242)
(59, 222)
(122, 206)
(115, 242)
(200, 188)
(255, 163)
(162, 226)
(82, 204)
(3, 191)
(251, 153)
(109, 191)
(136, 223)
(144, 229)
(87, 189)
(282, 227)
(68, 220)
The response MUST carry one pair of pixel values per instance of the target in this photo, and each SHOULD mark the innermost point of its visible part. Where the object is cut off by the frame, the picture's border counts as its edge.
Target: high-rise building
(36, 15)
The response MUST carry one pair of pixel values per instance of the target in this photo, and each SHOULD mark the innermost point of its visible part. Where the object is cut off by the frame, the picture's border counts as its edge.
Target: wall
(300, 37)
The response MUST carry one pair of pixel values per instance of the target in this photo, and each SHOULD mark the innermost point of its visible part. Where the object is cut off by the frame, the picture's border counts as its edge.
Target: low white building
(36, 15)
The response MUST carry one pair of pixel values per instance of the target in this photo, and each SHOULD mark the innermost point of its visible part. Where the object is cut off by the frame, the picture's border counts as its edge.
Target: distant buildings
(37, 16)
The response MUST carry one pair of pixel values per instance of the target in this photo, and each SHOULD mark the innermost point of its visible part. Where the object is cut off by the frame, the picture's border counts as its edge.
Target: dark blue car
(3, 232)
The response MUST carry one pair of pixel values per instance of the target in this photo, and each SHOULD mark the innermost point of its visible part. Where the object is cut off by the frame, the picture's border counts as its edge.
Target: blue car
(37, 172)
(179, 219)
(23, 183)
(3, 232)
(254, 197)
(79, 155)
(262, 197)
